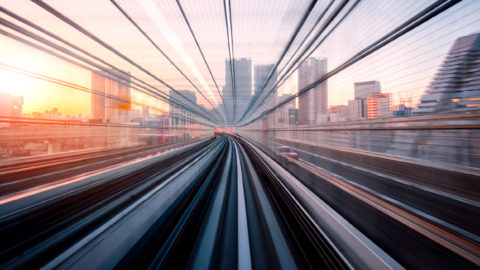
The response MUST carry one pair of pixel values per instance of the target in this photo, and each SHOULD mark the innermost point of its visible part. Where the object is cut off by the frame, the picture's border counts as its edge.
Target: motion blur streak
(228, 134)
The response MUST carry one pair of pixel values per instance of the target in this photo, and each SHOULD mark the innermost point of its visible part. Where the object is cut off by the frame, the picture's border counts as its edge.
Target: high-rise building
(456, 86)
(237, 103)
(179, 115)
(338, 113)
(111, 97)
(261, 73)
(283, 111)
(379, 105)
(312, 105)
(292, 116)
(54, 114)
(354, 110)
(364, 90)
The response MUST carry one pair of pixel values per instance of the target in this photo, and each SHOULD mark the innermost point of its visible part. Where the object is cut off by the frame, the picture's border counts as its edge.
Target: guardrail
(453, 139)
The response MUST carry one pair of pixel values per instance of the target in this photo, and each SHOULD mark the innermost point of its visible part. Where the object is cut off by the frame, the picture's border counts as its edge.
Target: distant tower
(283, 111)
(312, 105)
(179, 115)
(111, 99)
(243, 87)
(362, 91)
(261, 73)
(456, 86)
(379, 105)
(366, 89)
(98, 98)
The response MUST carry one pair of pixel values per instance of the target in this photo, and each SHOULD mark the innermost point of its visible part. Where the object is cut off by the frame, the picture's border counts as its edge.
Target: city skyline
(249, 81)
(244, 134)
(33, 60)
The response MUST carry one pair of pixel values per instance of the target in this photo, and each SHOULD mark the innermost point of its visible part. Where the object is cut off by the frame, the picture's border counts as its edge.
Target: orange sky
(40, 95)
(404, 67)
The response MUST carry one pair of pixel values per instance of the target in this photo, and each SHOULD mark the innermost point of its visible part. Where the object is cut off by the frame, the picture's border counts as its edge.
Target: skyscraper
(261, 73)
(283, 111)
(364, 90)
(354, 109)
(379, 105)
(456, 86)
(312, 105)
(179, 115)
(111, 98)
(243, 88)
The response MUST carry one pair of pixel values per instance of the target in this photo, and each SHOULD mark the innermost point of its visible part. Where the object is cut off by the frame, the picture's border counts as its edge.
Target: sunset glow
(239, 134)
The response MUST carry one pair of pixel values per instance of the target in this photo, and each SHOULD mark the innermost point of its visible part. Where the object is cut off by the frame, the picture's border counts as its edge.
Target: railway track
(28, 173)
(208, 207)
(452, 213)
(63, 219)
(403, 220)
(222, 215)
(221, 203)
(243, 222)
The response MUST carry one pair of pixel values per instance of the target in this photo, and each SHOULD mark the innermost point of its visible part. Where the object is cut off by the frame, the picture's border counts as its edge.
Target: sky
(261, 30)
